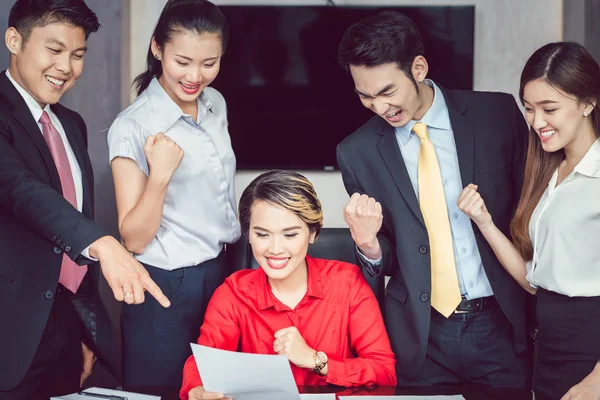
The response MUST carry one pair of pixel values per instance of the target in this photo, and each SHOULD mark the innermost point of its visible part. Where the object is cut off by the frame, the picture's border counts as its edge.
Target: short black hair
(382, 38)
(28, 14)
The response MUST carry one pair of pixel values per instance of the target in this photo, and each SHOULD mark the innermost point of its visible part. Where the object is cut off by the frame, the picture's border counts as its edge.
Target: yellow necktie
(445, 293)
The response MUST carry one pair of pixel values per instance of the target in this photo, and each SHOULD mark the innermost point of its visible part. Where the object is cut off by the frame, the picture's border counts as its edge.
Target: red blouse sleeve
(219, 330)
(374, 363)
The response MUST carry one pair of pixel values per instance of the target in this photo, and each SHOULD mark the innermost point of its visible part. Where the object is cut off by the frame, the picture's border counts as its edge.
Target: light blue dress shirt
(199, 214)
(472, 279)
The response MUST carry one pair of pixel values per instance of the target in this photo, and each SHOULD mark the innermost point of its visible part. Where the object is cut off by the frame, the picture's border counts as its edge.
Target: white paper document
(246, 376)
(453, 397)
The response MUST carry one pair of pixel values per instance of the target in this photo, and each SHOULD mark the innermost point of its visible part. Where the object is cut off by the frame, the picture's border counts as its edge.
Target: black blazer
(36, 226)
(491, 139)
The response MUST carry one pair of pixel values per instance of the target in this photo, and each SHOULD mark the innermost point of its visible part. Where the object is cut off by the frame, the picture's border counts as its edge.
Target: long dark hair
(569, 67)
(200, 16)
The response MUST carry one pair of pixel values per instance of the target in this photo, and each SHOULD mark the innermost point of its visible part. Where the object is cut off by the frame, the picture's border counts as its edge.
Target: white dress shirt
(472, 280)
(199, 213)
(36, 111)
(565, 232)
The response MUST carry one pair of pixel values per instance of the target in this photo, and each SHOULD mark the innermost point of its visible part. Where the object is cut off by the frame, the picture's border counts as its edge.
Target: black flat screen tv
(290, 103)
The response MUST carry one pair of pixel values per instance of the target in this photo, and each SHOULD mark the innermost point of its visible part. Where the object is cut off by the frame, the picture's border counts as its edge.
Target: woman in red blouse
(321, 314)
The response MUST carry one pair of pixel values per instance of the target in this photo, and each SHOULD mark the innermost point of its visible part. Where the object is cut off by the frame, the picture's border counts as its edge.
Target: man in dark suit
(454, 315)
(51, 317)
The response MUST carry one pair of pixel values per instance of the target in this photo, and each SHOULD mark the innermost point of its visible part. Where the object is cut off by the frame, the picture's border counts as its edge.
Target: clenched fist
(163, 155)
(364, 217)
(471, 203)
(289, 342)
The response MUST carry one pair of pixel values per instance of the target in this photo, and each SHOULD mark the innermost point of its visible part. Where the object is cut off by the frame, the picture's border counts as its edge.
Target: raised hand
(289, 342)
(364, 217)
(163, 155)
(471, 203)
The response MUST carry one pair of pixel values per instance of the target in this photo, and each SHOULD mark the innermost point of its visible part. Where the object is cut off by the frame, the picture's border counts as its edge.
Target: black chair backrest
(337, 244)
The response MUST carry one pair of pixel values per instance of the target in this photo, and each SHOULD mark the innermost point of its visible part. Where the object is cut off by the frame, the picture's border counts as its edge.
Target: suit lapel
(463, 129)
(392, 157)
(23, 116)
(464, 135)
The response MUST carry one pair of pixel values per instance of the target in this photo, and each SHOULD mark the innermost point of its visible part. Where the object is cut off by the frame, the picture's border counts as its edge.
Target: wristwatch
(320, 361)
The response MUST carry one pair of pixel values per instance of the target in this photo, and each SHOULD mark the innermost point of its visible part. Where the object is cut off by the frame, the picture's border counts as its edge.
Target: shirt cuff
(86, 253)
(335, 372)
(374, 263)
(373, 267)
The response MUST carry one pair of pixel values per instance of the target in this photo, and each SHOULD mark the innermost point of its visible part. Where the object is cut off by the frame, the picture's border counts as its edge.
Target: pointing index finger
(155, 291)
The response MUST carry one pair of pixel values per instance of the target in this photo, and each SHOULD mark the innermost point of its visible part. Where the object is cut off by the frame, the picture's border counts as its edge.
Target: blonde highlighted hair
(286, 189)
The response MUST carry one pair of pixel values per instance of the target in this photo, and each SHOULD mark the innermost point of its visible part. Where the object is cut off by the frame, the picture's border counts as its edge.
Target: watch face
(321, 357)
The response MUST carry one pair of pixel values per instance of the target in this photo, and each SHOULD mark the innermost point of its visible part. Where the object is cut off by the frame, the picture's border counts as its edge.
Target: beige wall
(506, 33)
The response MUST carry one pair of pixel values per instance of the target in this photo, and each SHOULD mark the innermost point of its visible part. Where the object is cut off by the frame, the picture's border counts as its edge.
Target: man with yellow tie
(454, 316)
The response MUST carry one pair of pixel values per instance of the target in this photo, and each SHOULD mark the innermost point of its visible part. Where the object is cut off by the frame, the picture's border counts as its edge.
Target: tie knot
(421, 130)
(45, 118)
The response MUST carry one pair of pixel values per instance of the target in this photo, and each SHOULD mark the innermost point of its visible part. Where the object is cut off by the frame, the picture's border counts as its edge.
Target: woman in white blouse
(555, 252)
(173, 168)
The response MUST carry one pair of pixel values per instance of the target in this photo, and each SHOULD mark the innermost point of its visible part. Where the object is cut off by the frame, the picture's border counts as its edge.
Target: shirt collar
(168, 110)
(590, 163)
(436, 117)
(32, 104)
(266, 299)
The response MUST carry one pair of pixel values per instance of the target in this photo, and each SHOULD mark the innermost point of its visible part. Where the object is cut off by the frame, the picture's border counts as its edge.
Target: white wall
(506, 33)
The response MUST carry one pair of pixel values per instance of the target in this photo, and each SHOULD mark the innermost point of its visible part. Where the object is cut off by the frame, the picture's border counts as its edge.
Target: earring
(157, 57)
(585, 113)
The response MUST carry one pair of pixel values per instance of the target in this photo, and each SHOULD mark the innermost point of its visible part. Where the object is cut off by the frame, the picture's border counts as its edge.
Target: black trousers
(568, 342)
(474, 348)
(57, 364)
(156, 340)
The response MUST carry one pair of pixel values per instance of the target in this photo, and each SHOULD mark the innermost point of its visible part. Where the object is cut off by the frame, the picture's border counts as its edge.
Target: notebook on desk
(105, 394)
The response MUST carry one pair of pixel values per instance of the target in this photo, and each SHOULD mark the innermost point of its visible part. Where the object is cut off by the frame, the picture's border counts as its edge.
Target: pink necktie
(71, 274)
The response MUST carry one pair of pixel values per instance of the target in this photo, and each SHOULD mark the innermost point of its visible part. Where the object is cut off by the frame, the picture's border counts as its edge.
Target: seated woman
(321, 314)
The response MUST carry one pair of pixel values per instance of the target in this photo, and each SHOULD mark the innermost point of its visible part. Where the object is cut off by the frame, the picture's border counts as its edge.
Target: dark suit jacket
(491, 138)
(36, 226)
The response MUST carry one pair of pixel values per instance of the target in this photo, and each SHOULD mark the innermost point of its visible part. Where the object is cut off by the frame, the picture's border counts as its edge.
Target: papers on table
(245, 376)
(454, 397)
(107, 394)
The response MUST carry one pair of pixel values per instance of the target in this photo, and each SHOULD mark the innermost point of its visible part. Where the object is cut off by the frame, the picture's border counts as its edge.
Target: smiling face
(557, 117)
(190, 62)
(279, 240)
(50, 62)
(388, 92)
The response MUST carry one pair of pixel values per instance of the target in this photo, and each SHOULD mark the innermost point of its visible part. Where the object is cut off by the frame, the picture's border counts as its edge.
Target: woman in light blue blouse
(173, 168)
